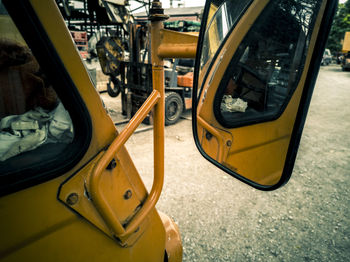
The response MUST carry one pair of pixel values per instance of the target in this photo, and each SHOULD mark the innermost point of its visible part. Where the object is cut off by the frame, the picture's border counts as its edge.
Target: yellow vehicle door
(67, 193)
(256, 66)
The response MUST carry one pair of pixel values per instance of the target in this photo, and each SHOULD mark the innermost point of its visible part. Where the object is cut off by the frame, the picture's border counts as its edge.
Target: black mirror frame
(310, 81)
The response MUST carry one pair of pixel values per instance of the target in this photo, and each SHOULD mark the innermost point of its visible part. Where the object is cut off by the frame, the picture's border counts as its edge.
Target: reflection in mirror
(223, 15)
(249, 96)
(265, 70)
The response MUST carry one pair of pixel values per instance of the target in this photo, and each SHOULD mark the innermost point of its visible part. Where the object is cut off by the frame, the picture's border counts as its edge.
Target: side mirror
(256, 66)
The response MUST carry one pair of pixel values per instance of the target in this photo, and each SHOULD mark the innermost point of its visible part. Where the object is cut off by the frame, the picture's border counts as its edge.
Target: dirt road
(222, 219)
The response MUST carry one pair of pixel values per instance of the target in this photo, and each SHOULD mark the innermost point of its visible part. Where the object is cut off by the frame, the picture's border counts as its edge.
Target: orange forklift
(126, 59)
(69, 189)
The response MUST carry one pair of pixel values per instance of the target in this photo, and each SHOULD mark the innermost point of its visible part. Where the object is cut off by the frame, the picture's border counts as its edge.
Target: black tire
(173, 108)
(113, 87)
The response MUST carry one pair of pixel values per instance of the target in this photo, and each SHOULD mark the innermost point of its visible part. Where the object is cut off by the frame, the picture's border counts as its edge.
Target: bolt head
(112, 164)
(127, 194)
(72, 199)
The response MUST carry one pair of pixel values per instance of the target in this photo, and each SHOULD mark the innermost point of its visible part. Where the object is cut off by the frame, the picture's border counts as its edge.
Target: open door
(256, 66)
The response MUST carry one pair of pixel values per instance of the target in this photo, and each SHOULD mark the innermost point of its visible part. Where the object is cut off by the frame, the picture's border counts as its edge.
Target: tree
(341, 24)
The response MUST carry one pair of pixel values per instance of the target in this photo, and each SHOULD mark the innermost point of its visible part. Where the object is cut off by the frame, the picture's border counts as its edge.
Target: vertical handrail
(157, 101)
(101, 204)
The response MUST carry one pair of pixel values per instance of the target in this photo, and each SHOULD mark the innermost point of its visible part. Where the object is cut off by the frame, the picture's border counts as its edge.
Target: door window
(266, 69)
(224, 18)
(37, 134)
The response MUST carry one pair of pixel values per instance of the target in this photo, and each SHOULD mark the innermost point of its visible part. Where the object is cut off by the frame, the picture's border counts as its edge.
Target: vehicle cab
(54, 133)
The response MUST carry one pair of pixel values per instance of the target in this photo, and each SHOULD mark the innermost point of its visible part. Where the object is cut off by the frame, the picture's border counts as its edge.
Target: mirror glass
(251, 65)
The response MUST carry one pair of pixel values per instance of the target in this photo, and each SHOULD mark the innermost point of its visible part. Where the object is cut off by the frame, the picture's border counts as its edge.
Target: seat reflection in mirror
(229, 104)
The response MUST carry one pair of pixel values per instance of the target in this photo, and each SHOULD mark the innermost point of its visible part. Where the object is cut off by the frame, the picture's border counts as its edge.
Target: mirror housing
(256, 66)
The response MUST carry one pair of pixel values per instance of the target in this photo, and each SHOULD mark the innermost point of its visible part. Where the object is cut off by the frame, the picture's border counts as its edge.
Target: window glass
(266, 68)
(35, 127)
(223, 19)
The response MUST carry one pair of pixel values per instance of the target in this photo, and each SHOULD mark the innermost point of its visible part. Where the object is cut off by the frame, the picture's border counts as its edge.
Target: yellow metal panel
(177, 45)
(76, 240)
(35, 226)
(346, 43)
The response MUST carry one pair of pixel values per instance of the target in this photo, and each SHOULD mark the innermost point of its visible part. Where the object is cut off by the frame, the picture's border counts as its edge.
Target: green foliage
(341, 24)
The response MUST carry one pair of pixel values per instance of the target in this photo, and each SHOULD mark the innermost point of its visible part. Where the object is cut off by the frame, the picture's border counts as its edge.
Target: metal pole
(157, 17)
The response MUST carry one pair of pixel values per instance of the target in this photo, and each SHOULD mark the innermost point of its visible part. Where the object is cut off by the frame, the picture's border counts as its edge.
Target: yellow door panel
(255, 166)
(37, 227)
(255, 89)
(47, 231)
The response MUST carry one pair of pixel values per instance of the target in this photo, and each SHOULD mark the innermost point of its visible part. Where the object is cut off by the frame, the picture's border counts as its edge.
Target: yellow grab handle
(100, 203)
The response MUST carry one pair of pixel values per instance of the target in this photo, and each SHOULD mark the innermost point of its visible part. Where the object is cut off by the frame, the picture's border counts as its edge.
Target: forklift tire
(173, 108)
(113, 87)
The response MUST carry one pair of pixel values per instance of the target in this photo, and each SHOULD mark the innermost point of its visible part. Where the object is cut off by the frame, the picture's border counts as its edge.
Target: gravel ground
(222, 219)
